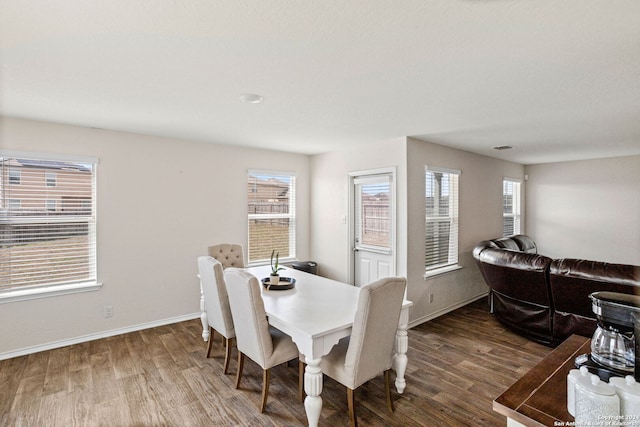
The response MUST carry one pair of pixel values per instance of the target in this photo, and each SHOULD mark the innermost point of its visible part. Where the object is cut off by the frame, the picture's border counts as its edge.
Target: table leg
(400, 359)
(313, 388)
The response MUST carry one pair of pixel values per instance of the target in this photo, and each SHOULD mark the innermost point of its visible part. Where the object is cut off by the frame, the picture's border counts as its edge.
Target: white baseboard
(445, 310)
(91, 337)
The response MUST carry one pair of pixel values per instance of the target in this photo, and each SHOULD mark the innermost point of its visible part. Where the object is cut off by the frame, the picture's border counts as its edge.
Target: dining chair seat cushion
(284, 348)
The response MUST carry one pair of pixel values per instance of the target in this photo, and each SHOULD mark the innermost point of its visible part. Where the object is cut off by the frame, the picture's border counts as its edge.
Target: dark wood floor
(458, 363)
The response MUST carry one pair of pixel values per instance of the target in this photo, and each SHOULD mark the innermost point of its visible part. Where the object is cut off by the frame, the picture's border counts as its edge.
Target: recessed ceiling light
(503, 147)
(251, 98)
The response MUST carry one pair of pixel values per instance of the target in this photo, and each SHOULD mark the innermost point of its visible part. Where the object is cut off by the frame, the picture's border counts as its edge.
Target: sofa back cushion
(506, 243)
(525, 243)
(572, 280)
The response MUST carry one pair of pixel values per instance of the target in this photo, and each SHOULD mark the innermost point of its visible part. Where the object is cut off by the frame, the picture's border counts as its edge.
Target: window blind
(271, 215)
(441, 225)
(510, 207)
(47, 222)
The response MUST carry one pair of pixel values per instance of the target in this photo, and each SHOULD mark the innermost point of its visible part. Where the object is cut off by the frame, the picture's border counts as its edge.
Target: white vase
(274, 279)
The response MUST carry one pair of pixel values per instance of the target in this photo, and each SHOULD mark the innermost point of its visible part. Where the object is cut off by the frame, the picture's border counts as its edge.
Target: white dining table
(316, 313)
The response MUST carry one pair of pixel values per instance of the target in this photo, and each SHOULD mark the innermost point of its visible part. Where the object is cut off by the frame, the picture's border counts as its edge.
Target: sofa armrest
(517, 275)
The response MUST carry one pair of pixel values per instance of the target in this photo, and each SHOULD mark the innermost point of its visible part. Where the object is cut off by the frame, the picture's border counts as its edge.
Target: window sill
(440, 271)
(283, 262)
(14, 295)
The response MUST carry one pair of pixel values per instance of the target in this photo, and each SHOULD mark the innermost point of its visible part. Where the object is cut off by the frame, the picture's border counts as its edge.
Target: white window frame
(50, 179)
(516, 205)
(453, 217)
(26, 291)
(14, 175)
(51, 205)
(290, 215)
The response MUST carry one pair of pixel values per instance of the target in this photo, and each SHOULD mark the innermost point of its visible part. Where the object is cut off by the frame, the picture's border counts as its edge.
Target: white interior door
(374, 227)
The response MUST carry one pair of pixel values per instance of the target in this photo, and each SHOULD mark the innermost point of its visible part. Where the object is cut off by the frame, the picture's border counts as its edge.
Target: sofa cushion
(506, 243)
(525, 243)
(482, 246)
(573, 280)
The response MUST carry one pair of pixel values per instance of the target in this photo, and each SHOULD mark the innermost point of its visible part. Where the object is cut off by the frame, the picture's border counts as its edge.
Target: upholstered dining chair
(368, 351)
(264, 344)
(229, 255)
(216, 304)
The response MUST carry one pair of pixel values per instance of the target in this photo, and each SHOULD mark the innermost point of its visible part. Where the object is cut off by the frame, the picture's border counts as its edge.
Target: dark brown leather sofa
(543, 299)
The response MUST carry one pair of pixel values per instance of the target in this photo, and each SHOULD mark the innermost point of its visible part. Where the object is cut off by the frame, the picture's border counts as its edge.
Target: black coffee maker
(615, 346)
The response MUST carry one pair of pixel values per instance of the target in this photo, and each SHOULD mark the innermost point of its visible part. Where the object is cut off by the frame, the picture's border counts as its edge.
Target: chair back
(229, 255)
(374, 329)
(216, 301)
(252, 327)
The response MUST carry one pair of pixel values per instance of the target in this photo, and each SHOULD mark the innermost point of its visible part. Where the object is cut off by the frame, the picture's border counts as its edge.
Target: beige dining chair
(216, 303)
(264, 344)
(229, 254)
(368, 351)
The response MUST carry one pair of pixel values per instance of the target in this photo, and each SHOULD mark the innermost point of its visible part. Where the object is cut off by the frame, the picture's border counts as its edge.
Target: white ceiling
(558, 80)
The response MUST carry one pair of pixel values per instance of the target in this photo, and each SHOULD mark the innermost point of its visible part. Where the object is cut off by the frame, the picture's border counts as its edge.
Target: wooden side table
(539, 398)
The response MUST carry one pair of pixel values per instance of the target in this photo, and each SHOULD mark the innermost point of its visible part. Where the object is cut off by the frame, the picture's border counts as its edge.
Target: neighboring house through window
(271, 215)
(510, 207)
(41, 245)
(441, 225)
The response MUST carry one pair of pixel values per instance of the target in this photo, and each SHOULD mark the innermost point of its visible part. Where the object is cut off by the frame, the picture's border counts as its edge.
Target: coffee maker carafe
(615, 346)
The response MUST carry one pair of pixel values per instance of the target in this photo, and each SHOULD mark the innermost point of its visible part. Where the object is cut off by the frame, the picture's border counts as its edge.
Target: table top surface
(539, 398)
(315, 306)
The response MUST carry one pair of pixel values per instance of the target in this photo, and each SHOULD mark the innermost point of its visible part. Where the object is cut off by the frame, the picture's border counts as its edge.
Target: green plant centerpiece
(274, 278)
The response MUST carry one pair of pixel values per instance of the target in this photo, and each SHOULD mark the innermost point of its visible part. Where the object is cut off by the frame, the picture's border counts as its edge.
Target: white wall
(330, 198)
(586, 209)
(480, 219)
(480, 215)
(161, 202)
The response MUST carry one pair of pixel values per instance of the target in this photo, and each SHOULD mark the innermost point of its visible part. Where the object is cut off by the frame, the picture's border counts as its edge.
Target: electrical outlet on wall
(108, 311)
(430, 298)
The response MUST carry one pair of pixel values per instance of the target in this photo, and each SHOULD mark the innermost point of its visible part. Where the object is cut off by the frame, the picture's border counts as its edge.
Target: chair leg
(265, 388)
(387, 389)
(240, 366)
(210, 341)
(301, 393)
(353, 421)
(227, 355)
